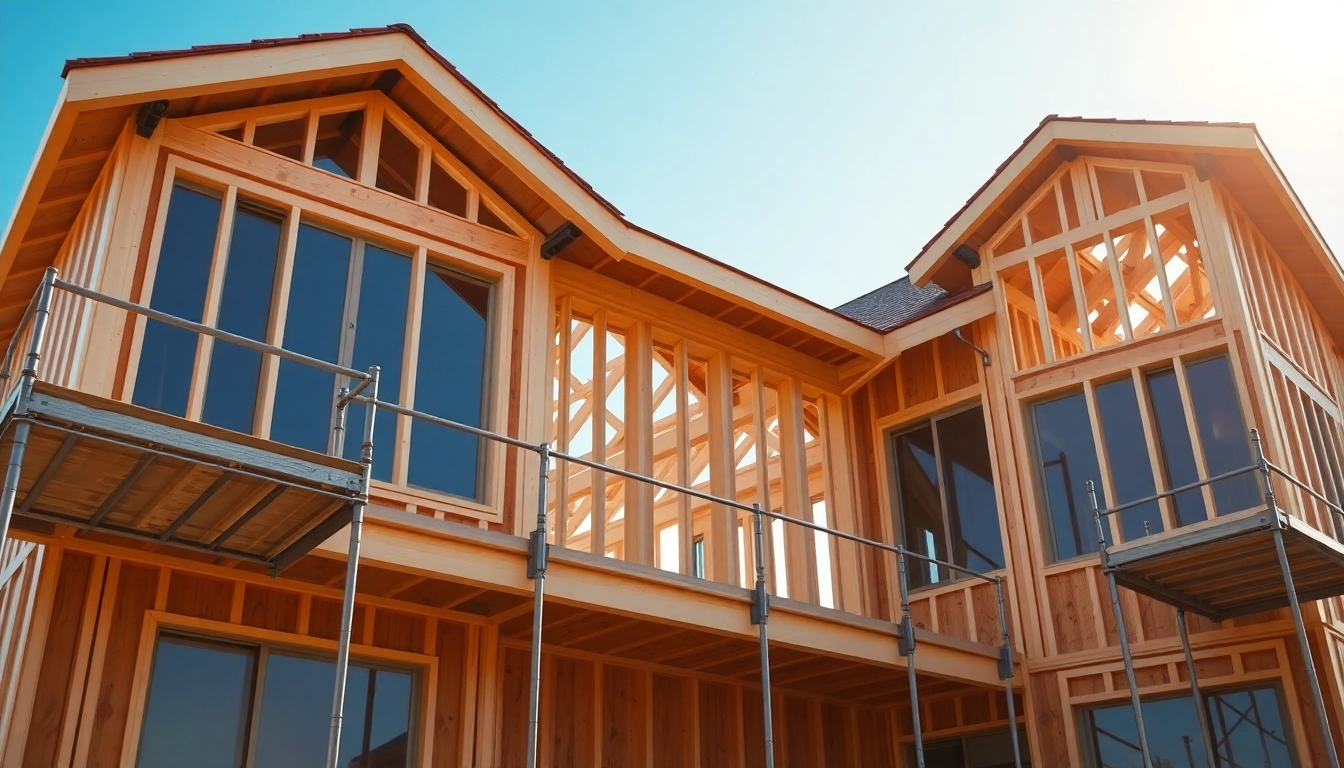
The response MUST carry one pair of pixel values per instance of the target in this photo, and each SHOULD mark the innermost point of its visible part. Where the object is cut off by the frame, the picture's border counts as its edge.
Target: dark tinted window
(1068, 459)
(313, 324)
(167, 353)
(199, 699)
(1178, 457)
(986, 750)
(295, 716)
(968, 482)
(380, 337)
(1127, 455)
(921, 514)
(338, 142)
(1222, 433)
(244, 309)
(1247, 727)
(449, 383)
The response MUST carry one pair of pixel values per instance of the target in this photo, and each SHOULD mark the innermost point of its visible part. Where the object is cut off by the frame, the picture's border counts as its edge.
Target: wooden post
(800, 543)
(721, 539)
(639, 443)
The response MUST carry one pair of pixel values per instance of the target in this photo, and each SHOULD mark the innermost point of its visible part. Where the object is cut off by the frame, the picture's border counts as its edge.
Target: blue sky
(817, 145)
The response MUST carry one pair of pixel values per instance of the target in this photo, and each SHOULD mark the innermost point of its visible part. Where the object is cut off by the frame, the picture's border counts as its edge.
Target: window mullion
(275, 327)
(1196, 442)
(1156, 457)
(219, 262)
(1106, 491)
(411, 350)
(942, 496)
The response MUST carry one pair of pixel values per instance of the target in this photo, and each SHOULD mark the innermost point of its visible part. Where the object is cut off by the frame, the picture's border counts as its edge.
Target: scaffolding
(1230, 566)
(34, 407)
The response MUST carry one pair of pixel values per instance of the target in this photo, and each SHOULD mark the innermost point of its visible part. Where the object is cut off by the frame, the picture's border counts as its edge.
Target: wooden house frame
(1107, 267)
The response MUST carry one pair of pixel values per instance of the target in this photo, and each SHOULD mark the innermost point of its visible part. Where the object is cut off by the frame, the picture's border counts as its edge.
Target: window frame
(1138, 374)
(1086, 736)
(426, 252)
(422, 668)
(376, 107)
(889, 435)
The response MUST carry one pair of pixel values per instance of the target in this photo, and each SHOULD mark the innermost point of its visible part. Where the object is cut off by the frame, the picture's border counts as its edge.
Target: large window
(1144, 432)
(349, 302)
(986, 750)
(945, 503)
(1248, 728)
(225, 705)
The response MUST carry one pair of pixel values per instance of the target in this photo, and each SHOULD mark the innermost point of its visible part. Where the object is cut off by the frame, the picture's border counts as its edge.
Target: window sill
(439, 502)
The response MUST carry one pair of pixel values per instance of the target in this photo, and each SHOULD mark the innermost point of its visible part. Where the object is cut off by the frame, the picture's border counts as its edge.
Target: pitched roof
(400, 28)
(893, 304)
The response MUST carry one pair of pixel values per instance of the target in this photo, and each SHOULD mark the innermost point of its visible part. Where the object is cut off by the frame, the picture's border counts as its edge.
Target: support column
(1007, 672)
(1194, 688)
(352, 562)
(538, 552)
(41, 313)
(907, 649)
(760, 613)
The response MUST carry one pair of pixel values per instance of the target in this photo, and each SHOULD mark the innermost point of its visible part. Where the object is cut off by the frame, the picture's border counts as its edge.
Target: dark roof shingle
(892, 304)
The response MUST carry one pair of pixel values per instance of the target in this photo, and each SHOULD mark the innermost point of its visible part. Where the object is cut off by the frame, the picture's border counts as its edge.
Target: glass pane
(1248, 729)
(1173, 438)
(1172, 727)
(244, 309)
(1117, 189)
(1191, 296)
(450, 383)
(972, 509)
(380, 338)
(1138, 275)
(1020, 298)
(283, 138)
(1222, 433)
(167, 353)
(1068, 459)
(445, 193)
(1127, 454)
(304, 396)
(197, 711)
(338, 142)
(398, 162)
(295, 717)
(1094, 273)
(921, 510)
(1066, 333)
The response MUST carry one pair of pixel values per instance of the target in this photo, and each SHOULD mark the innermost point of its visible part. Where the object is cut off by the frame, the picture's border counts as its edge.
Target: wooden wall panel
(273, 609)
(136, 588)
(512, 732)
(624, 727)
(200, 596)
(1072, 612)
(753, 731)
(673, 727)
(1049, 720)
(836, 736)
(720, 738)
(572, 696)
(795, 732)
(59, 659)
(877, 739)
(450, 706)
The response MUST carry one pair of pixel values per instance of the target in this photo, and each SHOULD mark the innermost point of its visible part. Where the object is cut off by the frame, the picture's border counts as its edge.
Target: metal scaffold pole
(760, 614)
(538, 552)
(42, 310)
(1194, 687)
(1121, 630)
(1006, 672)
(352, 562)
(907, 649)
(1309, 666)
